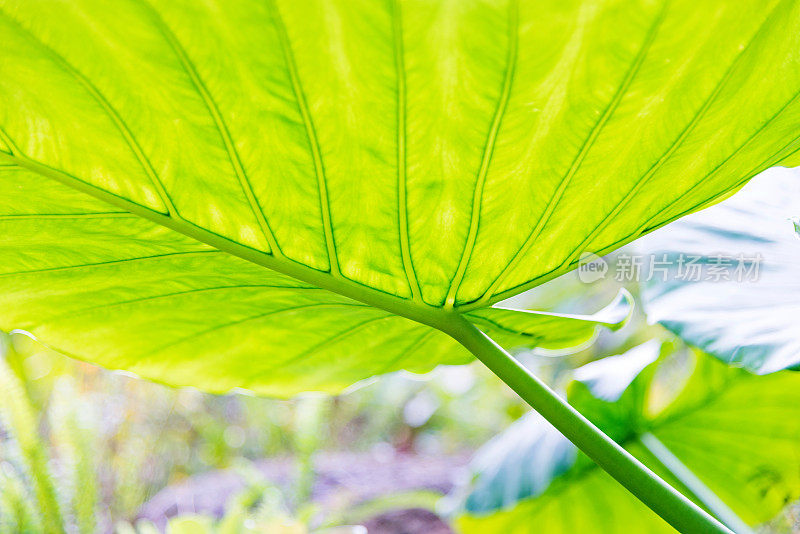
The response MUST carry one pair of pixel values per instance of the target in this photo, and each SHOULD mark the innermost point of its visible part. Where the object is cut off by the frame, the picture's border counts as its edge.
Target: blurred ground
(341, 479)
(410, 521)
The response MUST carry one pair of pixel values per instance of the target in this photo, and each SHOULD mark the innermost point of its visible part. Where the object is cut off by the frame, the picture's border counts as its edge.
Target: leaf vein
(697, 117)
(242, 321)
(311, 135)
(335, 338)
(49, 216)
(378, 298)
(112, 113)
(649, 227)
(580, 157)
(111, 262)
(411, 349)
(107, 305)
(219, 122)
(402, 193)
(483, 171)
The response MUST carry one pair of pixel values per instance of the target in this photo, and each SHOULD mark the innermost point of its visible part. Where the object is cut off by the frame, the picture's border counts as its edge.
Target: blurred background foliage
(116, 440)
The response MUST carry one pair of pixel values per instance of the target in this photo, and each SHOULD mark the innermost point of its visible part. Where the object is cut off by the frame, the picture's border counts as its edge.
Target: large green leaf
(739, 433)
(209, 193)
(731, 284)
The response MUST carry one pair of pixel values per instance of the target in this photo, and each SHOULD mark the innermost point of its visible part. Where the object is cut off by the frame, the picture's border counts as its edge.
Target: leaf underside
(736, 295)
(157, 156)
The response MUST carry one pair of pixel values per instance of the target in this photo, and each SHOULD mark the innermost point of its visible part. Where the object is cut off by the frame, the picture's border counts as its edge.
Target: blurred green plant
(49, 480)
(30, 501)
(724, 436)
(730, 282)
(121, 439)
(235, 523)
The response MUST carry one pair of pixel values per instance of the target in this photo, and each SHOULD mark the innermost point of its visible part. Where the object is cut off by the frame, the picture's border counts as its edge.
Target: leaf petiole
(663, 499)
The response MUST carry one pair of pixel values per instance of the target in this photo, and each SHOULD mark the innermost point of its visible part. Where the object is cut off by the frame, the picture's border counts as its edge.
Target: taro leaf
(739, 433)
(210, 193)
(519, 463)
(732, 283)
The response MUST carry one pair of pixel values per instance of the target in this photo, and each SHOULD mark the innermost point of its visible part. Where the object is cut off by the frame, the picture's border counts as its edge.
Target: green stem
(686, 477)
(674, 508)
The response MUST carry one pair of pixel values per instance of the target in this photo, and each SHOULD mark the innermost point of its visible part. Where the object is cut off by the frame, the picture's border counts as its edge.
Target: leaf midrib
(417, 310)
(414, 310)
(103, 102)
